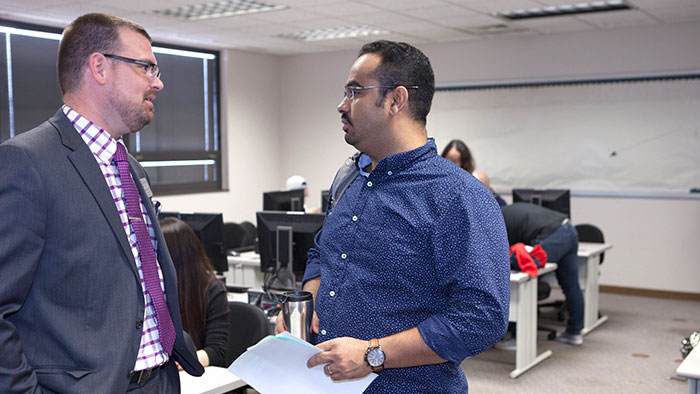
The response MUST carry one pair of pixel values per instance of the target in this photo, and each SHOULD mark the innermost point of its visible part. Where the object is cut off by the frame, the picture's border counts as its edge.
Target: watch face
(375, 357)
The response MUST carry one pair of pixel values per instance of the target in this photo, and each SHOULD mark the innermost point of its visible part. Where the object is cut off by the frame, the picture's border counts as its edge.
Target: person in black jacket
(203, 304)
(535, 225)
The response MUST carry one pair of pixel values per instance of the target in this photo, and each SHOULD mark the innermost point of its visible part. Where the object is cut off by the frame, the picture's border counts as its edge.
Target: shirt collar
(100, 142)
(400, 160)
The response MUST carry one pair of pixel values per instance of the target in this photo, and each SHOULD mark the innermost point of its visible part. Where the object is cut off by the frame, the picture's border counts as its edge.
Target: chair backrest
(251, 233)
(233, 236)
(248, 326)
(543, 289)
(590, 233)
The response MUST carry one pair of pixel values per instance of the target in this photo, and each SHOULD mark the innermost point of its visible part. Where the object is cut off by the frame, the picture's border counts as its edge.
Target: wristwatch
(375, 355)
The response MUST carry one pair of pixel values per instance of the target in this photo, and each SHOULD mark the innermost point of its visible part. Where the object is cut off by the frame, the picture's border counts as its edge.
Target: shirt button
(369, 183)
(343, 256)
(354, 218)
(390, 173)
(332, 293)
(323, 332)
(139, 324)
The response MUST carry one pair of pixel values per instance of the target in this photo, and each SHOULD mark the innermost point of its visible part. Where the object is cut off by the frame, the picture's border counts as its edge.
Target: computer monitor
(285, 237)
(284, 200)
(324, 200)
(555, 199)
(209, 228)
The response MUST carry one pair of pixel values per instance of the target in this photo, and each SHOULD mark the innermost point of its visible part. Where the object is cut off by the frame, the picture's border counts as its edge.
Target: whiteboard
(623, 137)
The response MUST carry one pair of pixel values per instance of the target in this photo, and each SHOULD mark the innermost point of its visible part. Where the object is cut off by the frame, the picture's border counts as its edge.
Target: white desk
(523, 310)
(589, 265)
(690, 368)
(244, 270)
(215, 380)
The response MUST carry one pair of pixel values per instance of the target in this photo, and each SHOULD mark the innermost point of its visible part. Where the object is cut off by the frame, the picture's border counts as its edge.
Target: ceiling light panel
(218, 9)
(564, 9)
(334, 33)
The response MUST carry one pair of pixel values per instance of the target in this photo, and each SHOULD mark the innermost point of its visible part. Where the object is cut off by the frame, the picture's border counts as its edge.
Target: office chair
(233, 236)
(590, 233)
(248, 326)
(586, 233)
(543, 292)
(251, 234)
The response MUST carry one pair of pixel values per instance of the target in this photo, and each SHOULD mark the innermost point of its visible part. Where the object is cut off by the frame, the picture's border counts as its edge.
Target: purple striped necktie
(149, 266)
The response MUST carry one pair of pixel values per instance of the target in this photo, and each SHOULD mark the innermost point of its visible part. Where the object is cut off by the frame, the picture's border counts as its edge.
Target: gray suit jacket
(71, 304)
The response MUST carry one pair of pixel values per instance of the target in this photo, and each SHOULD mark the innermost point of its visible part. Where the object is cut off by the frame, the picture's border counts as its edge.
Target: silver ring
(328, 369)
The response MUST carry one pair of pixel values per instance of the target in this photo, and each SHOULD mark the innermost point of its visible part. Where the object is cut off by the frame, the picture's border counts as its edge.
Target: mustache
(346, 118)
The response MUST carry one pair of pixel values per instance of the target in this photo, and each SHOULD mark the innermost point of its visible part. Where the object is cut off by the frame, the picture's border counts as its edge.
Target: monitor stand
(285, 270)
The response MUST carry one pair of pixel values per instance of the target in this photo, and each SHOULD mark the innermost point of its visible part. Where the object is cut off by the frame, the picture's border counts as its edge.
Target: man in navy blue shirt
(410, 272)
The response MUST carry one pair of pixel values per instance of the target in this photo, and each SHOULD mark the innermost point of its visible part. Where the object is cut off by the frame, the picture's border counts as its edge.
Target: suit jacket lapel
(88, 169)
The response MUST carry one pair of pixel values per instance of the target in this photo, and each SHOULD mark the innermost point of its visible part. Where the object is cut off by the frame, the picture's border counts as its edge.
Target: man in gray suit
(88, 294)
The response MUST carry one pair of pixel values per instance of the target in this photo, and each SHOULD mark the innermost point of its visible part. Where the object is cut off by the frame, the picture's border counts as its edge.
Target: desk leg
(526, 329)
(693, 386)
(591, 294)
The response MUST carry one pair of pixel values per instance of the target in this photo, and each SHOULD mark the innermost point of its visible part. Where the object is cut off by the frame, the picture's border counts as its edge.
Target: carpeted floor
(636, 351)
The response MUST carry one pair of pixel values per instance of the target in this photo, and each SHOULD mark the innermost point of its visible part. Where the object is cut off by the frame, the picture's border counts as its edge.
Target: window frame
(214, 118)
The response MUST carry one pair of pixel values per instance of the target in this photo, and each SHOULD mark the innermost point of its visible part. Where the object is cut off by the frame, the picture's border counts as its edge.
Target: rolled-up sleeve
(471, 257)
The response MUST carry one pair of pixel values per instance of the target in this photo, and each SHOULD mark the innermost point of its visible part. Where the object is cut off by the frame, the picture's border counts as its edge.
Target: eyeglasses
(151, 69)
(350, 91)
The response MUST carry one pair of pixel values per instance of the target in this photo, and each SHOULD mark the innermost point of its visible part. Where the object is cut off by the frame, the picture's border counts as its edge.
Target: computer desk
(523, 310)
(215, 380)
(589, 274)
(690, 368)
(244, 270)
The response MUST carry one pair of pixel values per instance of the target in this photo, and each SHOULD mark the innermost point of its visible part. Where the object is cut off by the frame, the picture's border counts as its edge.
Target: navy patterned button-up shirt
(418, 242)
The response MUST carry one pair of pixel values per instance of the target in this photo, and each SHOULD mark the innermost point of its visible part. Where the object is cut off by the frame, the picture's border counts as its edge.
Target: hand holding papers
(278, 365)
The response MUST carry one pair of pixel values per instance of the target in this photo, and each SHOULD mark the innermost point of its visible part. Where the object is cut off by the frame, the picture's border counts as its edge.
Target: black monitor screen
(286, 200)
(324, 200)
(555, 199)
(304, 227)
(209, 228)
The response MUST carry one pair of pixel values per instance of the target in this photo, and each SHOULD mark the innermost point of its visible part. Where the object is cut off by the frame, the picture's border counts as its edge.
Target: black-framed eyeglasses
(151, 68)
(350, 91)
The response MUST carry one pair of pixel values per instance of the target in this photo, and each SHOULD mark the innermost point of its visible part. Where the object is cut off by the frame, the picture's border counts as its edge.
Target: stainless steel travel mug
(297, 312)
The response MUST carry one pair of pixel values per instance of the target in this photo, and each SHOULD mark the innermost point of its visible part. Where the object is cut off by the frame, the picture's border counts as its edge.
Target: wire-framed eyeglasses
(151, 69)
(350, 91)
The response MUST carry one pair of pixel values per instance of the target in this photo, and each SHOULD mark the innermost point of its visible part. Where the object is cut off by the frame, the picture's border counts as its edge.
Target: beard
(135, 116)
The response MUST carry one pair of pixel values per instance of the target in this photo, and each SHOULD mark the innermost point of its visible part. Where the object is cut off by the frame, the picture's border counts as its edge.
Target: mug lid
(297, 296)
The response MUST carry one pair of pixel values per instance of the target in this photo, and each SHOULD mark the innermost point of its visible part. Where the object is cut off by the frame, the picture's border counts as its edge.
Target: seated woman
(457, 152)
(203, 304)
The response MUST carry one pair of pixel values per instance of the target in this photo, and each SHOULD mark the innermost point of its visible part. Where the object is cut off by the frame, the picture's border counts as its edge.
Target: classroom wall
(281, 119)
(653, 238)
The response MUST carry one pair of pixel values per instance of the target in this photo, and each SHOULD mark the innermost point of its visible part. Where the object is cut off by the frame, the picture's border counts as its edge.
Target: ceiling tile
(653, 4)
(500, 5)
(439, 12)
(677, 14)
(342, 9)
(557, 24)
(618, 19)
(398, 5)
(471, 21)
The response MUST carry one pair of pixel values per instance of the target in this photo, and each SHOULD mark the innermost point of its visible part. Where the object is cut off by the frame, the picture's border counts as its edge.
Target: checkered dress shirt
(103, 147)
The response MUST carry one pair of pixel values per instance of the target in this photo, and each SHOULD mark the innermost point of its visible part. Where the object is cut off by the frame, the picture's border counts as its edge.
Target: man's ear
(97, 66)
(399, 100)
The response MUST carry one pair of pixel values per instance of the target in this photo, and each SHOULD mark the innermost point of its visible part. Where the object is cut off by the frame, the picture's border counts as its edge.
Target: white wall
(653, 238)
(282, 120)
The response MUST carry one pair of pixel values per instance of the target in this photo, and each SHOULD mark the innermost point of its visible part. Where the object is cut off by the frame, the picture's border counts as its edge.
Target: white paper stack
(277, 364)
